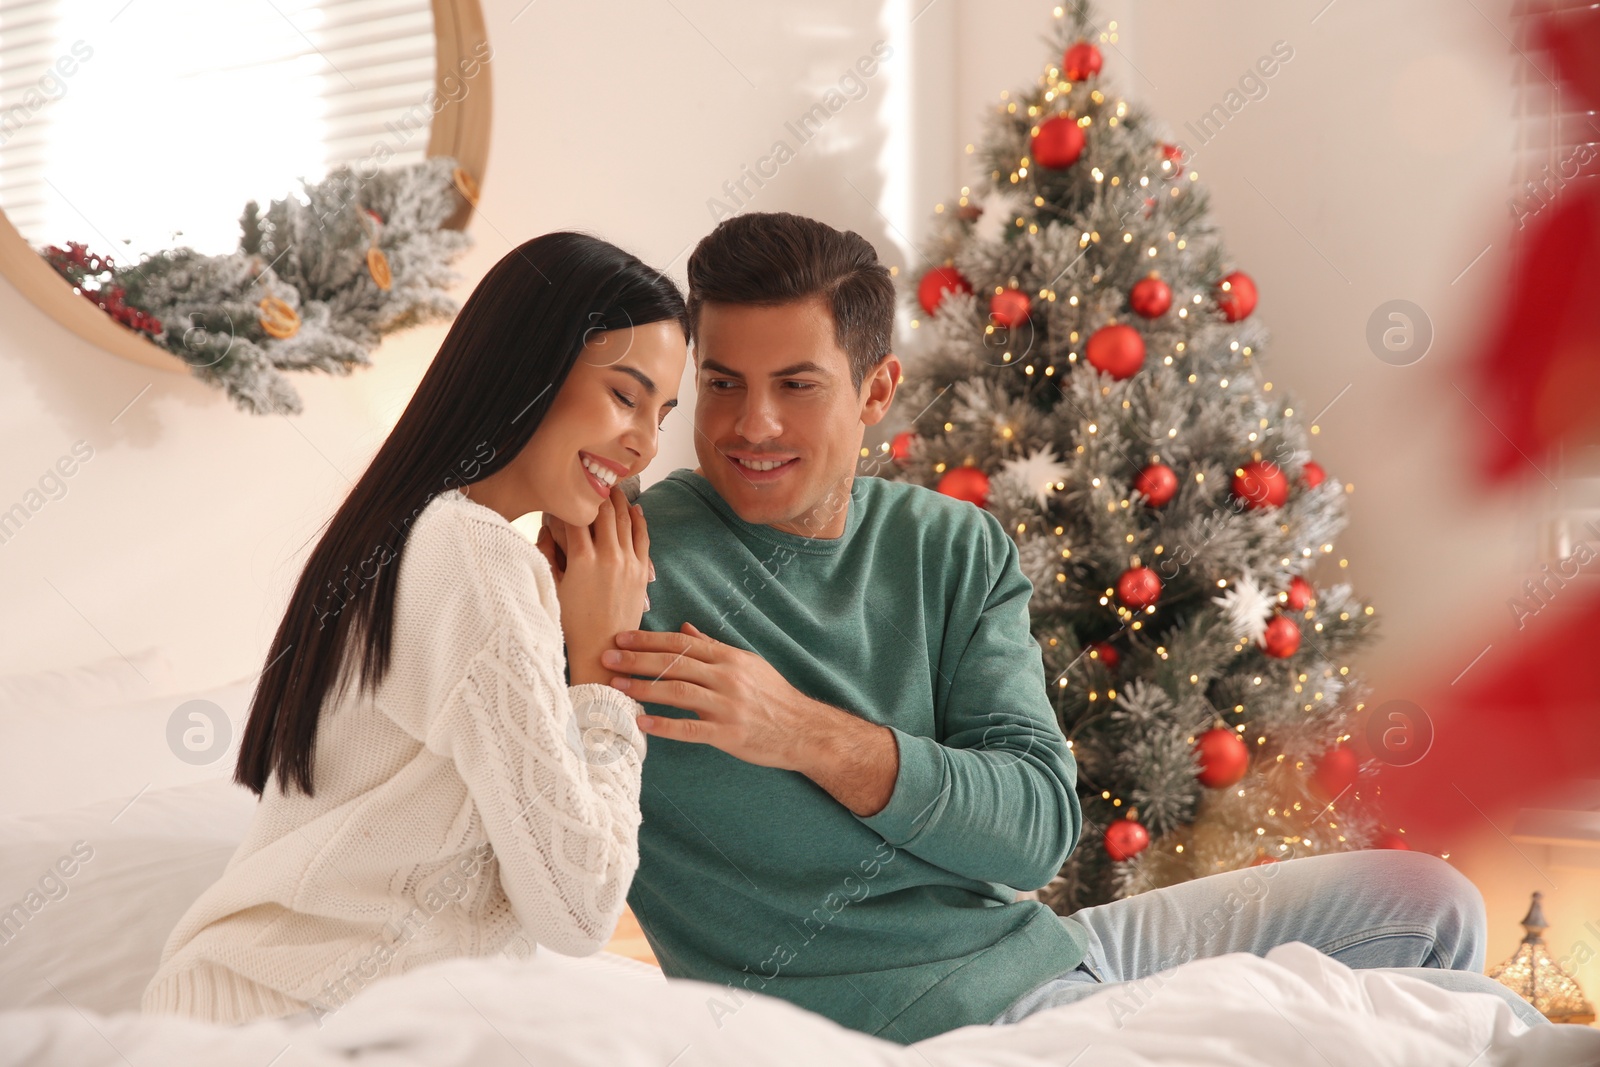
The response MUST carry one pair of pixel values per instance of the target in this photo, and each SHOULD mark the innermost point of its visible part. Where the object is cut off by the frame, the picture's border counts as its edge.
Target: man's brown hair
(765, 259)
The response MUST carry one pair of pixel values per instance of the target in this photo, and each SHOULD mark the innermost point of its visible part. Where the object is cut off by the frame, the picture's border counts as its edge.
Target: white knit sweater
(471, 804)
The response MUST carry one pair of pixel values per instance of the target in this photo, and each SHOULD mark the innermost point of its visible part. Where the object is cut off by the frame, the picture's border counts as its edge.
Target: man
(854, 763)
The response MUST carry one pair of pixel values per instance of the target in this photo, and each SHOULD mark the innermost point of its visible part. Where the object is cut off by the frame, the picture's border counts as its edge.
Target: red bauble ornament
(1158, 484)
(1390, 839)
(1282, 637)
(966, 483)
(1299, 594)
(1010, 308)
(1224, 757)
(1262, 860)
(1171, 153)
(1058, 144)
(1260, 484)
(1125, 839)
(937, 282)
(1138, 587)
(1336, 772)
(1080, 61)
(1117, 350)
(1151, 297)
(1105, 653)
(1236, 296)
(1149, 206)
(1312, 474)
(900, 446)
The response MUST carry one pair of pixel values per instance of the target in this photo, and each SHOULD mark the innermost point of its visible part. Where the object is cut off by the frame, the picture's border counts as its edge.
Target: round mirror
(132, 127)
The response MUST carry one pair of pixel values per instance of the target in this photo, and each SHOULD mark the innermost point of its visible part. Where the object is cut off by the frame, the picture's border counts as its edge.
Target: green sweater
(904, 924)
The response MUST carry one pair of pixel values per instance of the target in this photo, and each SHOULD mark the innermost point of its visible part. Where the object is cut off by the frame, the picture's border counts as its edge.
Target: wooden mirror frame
(459, 129)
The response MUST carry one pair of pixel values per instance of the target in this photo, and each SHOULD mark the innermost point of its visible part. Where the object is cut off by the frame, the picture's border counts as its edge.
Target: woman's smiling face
(605, 424)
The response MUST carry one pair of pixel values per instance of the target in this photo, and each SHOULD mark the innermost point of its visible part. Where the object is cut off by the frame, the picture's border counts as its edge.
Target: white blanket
(1296, 1007)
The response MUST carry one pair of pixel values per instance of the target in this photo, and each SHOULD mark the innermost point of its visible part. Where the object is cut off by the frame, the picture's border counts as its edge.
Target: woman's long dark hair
(486, 392)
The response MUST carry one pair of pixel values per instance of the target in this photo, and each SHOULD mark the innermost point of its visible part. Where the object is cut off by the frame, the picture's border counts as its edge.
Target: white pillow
(57, 758)
(114, 680)
(88, 896)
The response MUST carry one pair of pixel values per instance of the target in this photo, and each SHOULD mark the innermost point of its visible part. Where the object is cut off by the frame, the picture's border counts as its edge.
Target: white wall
(1377, 166)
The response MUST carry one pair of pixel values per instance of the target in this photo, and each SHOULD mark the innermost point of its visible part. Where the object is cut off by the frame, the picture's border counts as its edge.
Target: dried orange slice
(278, 319)
(465, 185)
(378, 267)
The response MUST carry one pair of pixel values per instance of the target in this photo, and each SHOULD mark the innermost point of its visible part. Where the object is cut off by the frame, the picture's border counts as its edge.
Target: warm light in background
(157, 138)
(1532, 975)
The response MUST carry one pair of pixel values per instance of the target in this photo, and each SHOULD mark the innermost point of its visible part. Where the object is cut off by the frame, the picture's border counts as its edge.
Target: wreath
(317, 281)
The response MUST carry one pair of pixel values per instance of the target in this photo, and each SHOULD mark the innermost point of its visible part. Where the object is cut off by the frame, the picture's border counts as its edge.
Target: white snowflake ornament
(1000, 211)
(1039, 473)
(1246, 607)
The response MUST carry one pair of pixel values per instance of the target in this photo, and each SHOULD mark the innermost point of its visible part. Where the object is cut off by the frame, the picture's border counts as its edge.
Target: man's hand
(751, 712)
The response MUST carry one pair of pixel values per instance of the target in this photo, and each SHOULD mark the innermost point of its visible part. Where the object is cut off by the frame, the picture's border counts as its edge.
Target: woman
(441, 791)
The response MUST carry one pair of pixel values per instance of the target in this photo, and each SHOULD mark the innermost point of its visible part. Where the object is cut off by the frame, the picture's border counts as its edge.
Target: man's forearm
(856, 761)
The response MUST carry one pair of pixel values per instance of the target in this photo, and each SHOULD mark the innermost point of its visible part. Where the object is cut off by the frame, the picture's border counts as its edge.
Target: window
(135, 126)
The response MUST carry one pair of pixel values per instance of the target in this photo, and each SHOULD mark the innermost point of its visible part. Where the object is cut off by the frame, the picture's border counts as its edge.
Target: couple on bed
(856, 764)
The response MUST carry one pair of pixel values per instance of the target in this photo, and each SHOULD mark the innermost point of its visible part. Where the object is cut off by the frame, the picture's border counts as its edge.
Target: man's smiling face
(778, 422)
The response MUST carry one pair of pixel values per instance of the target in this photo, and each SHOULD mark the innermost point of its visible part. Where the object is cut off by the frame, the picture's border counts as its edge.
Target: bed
(99, 885)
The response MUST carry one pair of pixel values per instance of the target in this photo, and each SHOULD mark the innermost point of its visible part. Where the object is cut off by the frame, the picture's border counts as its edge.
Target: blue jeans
(1407, 912)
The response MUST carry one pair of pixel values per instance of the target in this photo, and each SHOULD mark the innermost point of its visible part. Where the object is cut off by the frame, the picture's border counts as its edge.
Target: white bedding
(71, 974)
(1294, 1007)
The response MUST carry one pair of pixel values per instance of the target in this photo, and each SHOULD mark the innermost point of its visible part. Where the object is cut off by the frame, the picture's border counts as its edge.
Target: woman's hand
(601, 571)
(555, 553)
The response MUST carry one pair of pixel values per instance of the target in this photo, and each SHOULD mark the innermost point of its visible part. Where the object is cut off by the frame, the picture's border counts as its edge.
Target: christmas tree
(1087, 365)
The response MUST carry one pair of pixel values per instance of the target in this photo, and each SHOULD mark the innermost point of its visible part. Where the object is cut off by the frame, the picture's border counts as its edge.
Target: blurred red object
(1540, 371)
(1572, 39)
(1518, 724)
